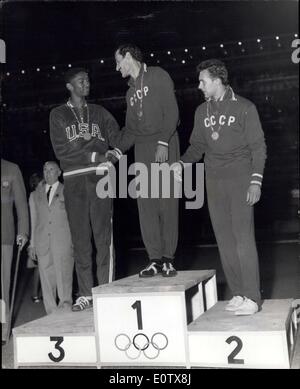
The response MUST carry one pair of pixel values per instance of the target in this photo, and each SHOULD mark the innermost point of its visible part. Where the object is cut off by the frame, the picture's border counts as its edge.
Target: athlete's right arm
(197, 145)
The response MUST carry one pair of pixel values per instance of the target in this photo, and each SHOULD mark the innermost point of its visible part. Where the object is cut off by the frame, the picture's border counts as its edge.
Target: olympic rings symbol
(140, 342)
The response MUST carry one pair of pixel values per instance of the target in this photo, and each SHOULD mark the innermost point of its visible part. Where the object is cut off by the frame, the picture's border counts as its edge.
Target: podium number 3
(231, 357)
(138, 306)
(58, 340)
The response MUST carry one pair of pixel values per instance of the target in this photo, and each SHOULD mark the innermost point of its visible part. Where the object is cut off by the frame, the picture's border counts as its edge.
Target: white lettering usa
(81, 130)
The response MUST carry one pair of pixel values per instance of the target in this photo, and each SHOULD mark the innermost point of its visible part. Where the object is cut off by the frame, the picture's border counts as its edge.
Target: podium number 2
(231, 357)
(138, 306)
(58, 340)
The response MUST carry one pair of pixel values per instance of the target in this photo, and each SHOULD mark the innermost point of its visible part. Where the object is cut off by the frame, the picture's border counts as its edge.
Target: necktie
(48, 193)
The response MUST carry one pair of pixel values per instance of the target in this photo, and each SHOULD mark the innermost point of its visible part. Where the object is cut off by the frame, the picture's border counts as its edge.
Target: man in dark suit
(51, 240)
(13, 193)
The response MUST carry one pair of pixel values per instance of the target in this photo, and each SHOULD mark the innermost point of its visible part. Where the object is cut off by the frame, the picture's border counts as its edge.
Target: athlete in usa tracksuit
(233, 161)
(79, 147)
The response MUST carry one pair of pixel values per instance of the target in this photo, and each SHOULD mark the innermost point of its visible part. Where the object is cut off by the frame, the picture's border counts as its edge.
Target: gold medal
(215, 135)
(87, 136)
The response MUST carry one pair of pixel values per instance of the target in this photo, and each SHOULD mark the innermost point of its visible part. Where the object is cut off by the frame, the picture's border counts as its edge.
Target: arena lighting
(102, 61)
(296, 35)
(183, 61)
(38, 69)
(151, 55)
(258, 40)
(186, 50)
(23, 71)
(203, 48)
(239, 43)
(53, 67)
(169, 53)
(8, 74)
(277, 38)
(221, 45)
(69, 66)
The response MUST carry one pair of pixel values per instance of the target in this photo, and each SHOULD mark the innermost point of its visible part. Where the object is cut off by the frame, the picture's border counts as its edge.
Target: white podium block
(143, 321)
(221, 339)
(60, 339)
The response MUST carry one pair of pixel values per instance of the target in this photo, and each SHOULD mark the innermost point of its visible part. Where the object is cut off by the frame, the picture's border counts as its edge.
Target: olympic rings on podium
(141, 343)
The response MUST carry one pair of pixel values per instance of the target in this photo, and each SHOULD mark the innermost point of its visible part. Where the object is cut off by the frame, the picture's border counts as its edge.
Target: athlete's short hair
(216, 69)
(71, 73)
(135, 51)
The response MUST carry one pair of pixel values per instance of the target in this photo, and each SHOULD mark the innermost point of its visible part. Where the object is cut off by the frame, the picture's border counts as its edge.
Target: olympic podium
(143, 321)
(59, 339)
(160, 321)
(265, 340)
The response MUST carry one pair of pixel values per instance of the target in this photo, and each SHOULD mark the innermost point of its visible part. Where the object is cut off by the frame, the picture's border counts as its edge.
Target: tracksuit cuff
(256, 178)
(181, 163)
(118, 153)
(160, 142)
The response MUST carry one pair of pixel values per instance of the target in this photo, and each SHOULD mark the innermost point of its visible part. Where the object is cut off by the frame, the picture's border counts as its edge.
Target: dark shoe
(82, 303)
(151, 270)
(3, 342)
(35, 299)
(168, 270)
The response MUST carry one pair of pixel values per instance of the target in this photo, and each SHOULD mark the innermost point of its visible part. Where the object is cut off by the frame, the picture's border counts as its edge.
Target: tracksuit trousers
(158, 216)
(233, 223)
(87, 215)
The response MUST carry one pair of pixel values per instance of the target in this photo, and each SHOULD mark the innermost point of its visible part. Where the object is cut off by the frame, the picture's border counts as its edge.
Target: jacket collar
(143, 69)
(228, 95)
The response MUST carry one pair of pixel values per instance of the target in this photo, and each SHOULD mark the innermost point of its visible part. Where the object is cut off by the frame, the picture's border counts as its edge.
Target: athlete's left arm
(164, 88)
(256, 142)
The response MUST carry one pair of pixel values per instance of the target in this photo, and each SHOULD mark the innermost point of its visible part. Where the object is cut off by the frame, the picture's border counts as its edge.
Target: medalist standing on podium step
(228, 131)
(151, 123)
(81, 133)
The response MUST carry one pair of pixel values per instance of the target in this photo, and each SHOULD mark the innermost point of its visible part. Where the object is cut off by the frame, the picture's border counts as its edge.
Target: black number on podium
(138, 306)
(231, 356)
(58, 340)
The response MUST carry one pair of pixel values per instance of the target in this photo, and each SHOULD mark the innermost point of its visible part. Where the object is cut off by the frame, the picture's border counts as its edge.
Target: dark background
(45, 34)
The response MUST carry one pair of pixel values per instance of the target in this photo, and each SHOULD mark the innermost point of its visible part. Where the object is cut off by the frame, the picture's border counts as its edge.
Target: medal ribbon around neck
(86, 135)
(140, 113)
(215, 133)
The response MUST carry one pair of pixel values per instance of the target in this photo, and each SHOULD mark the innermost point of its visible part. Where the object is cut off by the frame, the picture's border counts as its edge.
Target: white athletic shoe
(249, 307)
(234, 303)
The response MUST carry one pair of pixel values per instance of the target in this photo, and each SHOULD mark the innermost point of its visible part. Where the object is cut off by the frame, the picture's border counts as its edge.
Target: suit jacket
(51, 229)
(12, 193)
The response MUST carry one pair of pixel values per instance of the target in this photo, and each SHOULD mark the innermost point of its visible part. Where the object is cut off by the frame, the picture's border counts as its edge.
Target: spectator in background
(13, 193)
(51, 240)
(34, 180)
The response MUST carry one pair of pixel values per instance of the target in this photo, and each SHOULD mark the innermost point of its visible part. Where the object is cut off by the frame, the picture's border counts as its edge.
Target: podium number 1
(138, 306)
